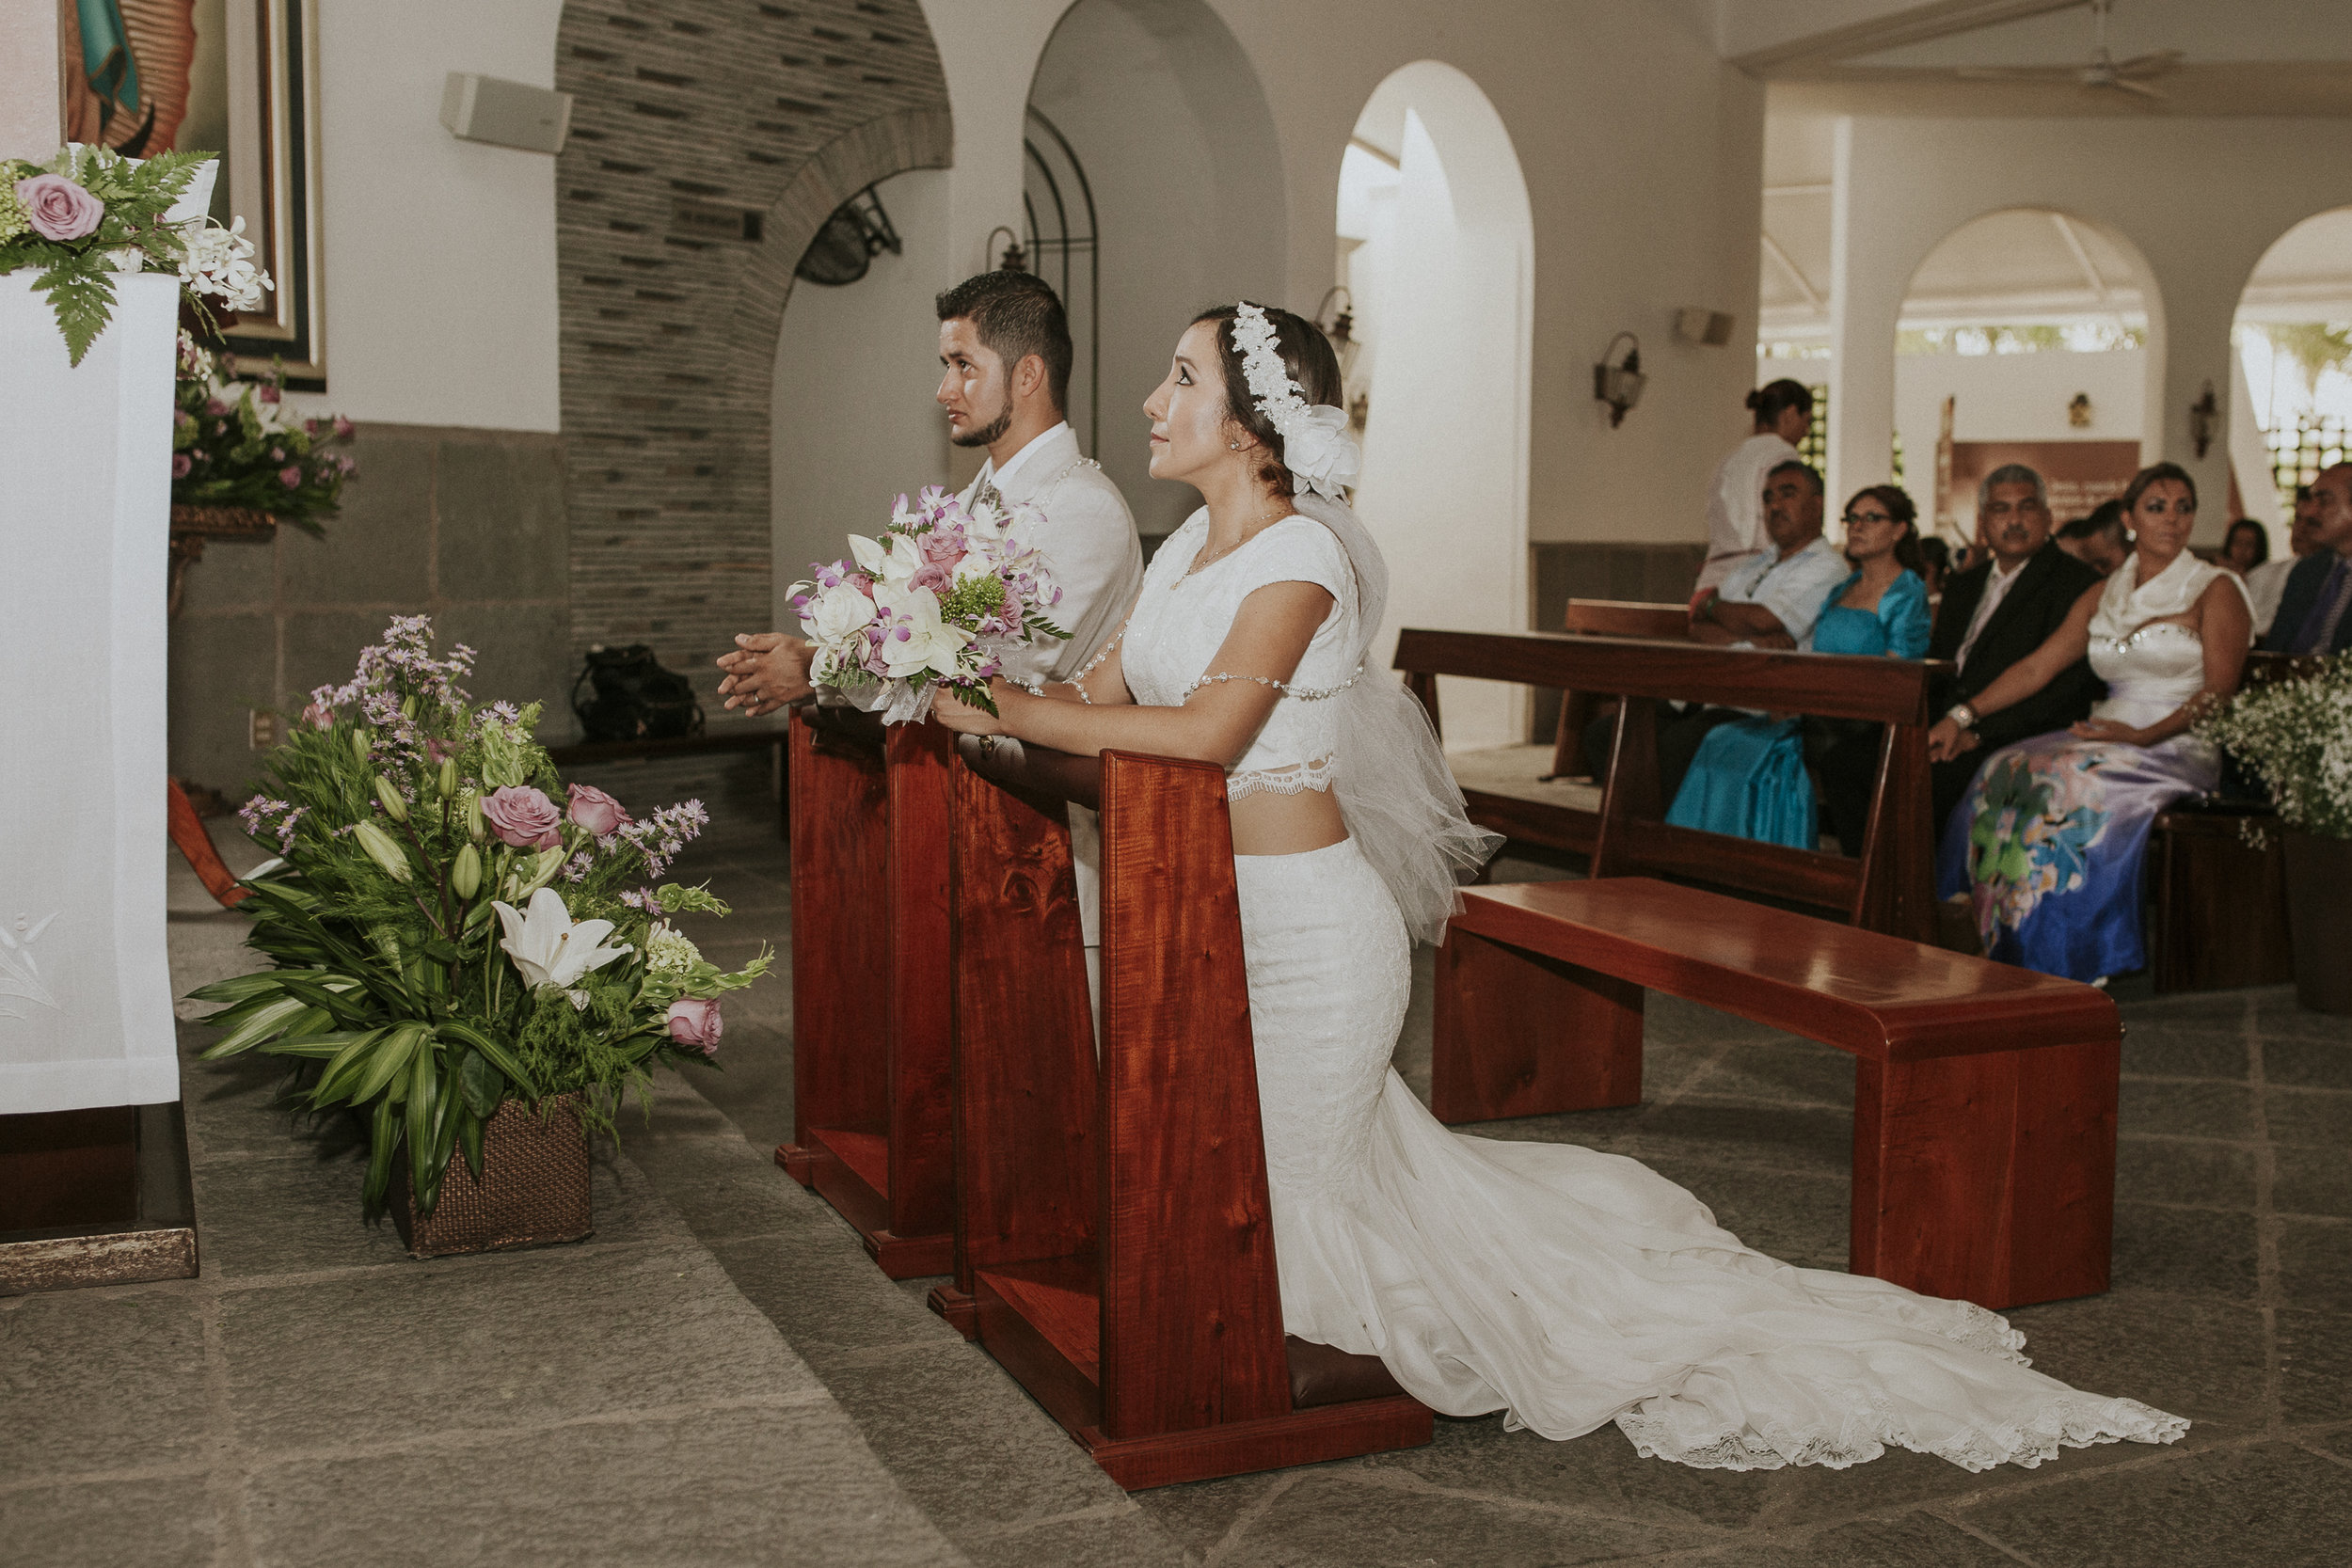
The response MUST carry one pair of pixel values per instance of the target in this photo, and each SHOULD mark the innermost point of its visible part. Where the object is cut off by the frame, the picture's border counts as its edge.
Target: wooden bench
(1657, 623)
(752, 736)
(1984, 1095)
(873, 1124)
(1891, 888)
(1113, 1249)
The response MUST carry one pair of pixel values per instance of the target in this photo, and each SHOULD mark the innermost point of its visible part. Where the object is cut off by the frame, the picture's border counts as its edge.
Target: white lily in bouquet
(939, 600)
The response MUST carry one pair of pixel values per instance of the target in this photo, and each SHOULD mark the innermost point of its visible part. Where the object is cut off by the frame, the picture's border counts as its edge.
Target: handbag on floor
(626, 695)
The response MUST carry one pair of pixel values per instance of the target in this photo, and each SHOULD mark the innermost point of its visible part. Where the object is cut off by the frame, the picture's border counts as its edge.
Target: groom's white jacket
(1089, 538)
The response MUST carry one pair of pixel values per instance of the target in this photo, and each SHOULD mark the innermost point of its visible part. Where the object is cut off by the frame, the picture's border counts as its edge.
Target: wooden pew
(1890, 889)
(1663, 622)
(1112, 1241)
(1984, 1095)
(872, 1128)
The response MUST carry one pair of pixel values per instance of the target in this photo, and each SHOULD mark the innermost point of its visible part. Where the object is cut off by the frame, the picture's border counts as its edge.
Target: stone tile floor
(719, 1376)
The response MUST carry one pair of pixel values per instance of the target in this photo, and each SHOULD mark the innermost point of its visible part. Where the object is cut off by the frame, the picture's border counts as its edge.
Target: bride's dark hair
(1308, 357)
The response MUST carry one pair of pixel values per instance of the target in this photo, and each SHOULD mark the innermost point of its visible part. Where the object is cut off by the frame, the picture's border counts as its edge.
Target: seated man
(2267, 582)
(2312, 608)
(2098, 541)
(1771, 600)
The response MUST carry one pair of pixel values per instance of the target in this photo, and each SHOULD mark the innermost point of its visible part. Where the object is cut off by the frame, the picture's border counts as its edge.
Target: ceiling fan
(2104, 73)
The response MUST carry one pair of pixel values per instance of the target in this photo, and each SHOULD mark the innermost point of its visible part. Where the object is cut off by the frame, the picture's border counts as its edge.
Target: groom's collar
(1020, 460)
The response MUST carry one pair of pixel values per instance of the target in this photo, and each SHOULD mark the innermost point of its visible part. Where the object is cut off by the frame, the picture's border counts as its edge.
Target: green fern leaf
(82, 293)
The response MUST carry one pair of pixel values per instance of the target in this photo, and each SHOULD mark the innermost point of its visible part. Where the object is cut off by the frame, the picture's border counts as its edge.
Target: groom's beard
(987, 435)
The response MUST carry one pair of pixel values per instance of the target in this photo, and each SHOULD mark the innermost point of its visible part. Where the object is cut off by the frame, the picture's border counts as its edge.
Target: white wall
(440, 254)
(855, 424)
(1166, 116)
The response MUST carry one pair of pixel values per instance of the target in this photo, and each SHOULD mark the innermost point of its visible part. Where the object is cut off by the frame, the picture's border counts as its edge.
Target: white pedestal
(86, 1015)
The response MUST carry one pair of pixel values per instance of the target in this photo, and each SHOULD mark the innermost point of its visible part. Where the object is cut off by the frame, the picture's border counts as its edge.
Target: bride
(1564, 1286)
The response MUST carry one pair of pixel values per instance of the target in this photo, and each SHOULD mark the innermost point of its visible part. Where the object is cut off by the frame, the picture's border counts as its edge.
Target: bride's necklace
(1272, 515)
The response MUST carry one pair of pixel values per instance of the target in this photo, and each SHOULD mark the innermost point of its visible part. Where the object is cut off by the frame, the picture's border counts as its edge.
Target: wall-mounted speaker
(505, 114)
(1711, 327)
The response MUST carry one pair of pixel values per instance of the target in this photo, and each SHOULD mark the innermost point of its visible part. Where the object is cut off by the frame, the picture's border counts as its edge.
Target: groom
(1005, 345)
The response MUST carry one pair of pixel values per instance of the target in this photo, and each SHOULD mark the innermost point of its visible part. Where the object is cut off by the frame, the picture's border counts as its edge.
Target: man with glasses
(1997, 611)
(2312, 607)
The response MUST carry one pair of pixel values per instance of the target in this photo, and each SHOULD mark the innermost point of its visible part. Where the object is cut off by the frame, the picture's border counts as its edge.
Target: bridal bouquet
(90, 213)
(446, 935)
(938, 600)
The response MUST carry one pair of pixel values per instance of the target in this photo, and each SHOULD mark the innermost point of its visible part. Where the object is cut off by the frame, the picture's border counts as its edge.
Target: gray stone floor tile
(2281, 1019)
(1814, 1139)
(2161, 1047)
(2315, 1367)
(2214, 1009)
(827, 1313)
(754, 1086)
(2183, 1250)
(1671, 1020)
(96, 1380)
(2320, 1059)
(1799, 1219)
(969, 1447)
(1198, 1515)
(2201, 1358)
(162, 1523)
(2273, 1504)
(1331, 1518)
(1779, 1071)
(2185, 1170)
(2315, 1261)
(1913, 1540)
(719, 1487)
(247, 1107)
(1598, 1473)
(2322, 1116)
(2185, 1110)
(494, 1341)
(2313, 1179)
(1127, 1538)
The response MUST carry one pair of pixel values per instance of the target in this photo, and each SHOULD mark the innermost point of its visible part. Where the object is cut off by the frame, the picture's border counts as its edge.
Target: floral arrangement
(938, 600)
(446, 936)
(90, 213)
(238, 448)
(2297, 736)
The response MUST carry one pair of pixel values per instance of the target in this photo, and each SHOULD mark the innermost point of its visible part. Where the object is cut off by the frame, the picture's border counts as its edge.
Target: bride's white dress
(1565, 1287)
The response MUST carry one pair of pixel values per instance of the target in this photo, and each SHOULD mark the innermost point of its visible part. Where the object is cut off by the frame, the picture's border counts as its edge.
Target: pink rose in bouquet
(58, 208)
(593, 809)
(524, 817)
(694, 1022)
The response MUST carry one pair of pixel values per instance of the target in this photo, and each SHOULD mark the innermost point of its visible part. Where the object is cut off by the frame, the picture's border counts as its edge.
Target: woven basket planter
(534, 1189)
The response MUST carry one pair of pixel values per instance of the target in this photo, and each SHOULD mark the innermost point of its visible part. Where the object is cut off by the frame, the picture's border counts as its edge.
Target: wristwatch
(1963, 715)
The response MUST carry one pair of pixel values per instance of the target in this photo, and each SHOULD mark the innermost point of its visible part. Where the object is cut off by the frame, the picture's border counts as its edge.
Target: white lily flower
(837, 614)
(921, 641)
(549, 949)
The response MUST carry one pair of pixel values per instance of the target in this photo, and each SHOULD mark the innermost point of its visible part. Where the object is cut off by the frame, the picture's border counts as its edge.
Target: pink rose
(181, 464)
(58, 208)
(524, 817)
(342, 427)
(595, 811)
(290, 476)
(269, 391)
(695, 1022)
(319, 716)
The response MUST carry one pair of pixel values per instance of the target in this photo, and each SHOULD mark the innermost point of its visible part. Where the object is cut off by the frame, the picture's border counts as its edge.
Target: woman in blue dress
(2049, 841)
(1749, 777)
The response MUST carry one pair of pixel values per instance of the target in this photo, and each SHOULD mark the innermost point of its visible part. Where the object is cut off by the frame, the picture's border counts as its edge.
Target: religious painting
(236, 76)
(2080, 474)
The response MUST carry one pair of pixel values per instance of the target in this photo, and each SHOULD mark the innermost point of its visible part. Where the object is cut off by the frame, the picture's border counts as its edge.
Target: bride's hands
(954, 713)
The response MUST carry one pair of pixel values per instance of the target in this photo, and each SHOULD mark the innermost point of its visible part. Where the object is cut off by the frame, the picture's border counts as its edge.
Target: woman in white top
(1735, 506)
(1566, 1286)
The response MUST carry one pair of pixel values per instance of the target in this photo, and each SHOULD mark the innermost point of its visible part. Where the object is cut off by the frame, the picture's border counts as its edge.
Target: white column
(2195, 349)
(86, 1013)
(1865, 296)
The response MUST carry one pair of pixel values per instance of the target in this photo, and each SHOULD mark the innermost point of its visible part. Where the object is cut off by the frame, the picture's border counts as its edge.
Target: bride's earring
(1232, 446)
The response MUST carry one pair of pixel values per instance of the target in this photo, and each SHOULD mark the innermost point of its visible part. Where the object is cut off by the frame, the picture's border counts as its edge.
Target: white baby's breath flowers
(218, 262)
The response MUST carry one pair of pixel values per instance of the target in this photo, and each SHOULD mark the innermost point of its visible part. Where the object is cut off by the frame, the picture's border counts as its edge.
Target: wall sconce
(1619, 385)
(1014, 258)
(2204, 415)
(1336, 316)
(2078, 411)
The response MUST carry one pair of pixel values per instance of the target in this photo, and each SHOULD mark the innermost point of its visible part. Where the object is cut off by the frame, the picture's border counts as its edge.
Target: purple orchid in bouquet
(938, 599)
(451, 928)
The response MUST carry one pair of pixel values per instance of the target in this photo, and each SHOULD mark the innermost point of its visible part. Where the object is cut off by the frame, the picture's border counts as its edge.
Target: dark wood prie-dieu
(873, 1127)
(1984, 1095)
(1113, 1245)
(1890, 889)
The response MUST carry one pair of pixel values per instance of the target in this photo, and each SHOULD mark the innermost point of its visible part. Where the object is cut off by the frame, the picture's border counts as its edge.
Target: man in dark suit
(2315, 606)
(1995, 613)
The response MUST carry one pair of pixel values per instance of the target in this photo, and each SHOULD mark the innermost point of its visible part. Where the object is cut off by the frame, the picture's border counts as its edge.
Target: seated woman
(2048, 842)
(1749, 778)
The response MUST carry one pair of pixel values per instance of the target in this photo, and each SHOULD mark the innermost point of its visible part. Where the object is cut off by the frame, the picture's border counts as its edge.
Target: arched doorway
(1156, 103)
(2027, 336)
(1438, 251)
(2292, 413)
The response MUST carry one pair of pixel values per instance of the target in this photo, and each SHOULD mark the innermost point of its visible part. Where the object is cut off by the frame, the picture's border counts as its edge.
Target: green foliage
(235, 447)
(77, 276)
(2314, 348)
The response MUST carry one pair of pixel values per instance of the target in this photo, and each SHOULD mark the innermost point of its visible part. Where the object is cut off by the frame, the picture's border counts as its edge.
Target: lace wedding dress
(1565, 1287)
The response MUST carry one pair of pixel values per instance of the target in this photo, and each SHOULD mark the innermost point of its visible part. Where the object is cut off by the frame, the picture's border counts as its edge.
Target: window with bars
(2300, 451)
(1813, 449)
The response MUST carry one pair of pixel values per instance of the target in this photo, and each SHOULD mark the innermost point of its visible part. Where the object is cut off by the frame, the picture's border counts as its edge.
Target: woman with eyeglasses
(1749, 778)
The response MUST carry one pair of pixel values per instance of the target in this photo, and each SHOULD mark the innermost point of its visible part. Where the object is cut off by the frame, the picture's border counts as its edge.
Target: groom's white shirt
(1089, 538)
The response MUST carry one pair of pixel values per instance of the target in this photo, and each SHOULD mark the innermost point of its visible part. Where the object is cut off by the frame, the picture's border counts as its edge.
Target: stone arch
(708, 143)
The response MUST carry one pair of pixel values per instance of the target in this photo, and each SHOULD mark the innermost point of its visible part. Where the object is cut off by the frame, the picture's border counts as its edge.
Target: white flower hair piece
(1315, 443)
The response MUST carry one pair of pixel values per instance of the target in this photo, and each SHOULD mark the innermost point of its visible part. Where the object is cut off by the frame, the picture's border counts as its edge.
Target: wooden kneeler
(873, 1127)
(1113, 1250)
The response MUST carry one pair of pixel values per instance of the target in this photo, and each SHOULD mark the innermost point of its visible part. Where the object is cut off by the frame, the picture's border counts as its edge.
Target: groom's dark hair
(1016, 315)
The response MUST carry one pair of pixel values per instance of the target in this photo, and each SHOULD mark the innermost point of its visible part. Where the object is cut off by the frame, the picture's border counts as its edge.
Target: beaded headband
(1315, 443)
